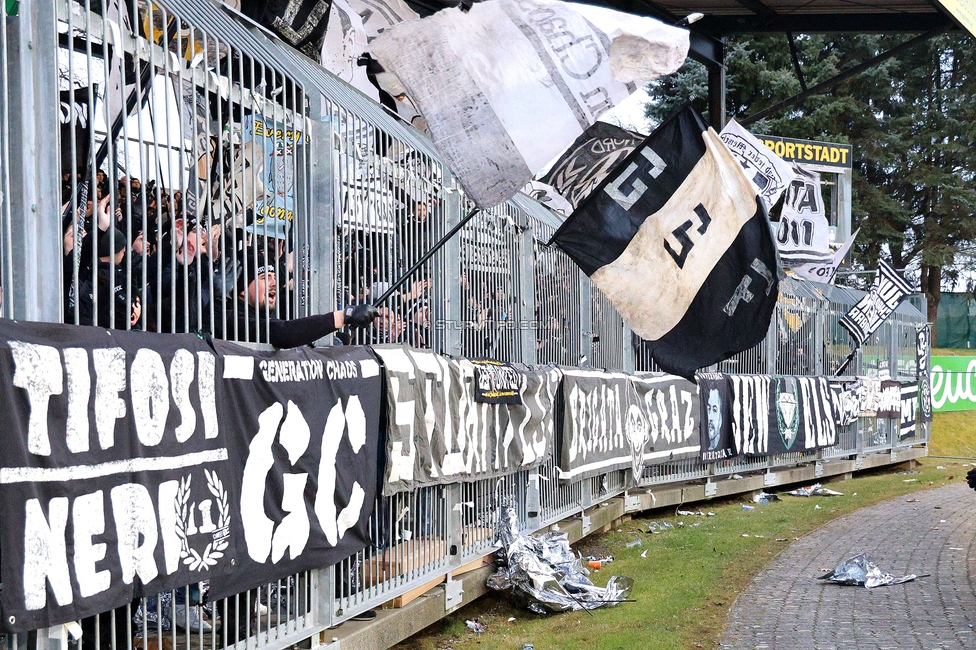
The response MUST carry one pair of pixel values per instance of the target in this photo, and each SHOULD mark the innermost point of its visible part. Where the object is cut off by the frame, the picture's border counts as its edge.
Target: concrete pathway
(786, 608)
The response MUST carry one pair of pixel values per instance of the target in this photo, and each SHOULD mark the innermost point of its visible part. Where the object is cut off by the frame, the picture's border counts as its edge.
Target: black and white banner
(680, 220)
(716, 405)
(869, 394)
(923, 350)
(803, 234)
(778, 415)
(300, 23)
(761, 415)
(889, 401)
(75, 130)
(847, 396)
(496, 382)
(825, 270)
(125, 454)
(306, 426)
(438, 433)
(924, 399)
(909, 411)
(614, 421)
(767, 171)
(583, 166)
(867, 315)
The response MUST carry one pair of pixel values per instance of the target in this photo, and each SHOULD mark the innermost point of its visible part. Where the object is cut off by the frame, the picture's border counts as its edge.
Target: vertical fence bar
(33, 183)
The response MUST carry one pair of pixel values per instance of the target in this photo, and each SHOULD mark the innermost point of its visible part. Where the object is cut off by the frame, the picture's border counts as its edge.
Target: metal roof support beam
(871, 23)
(828, 85)
(716, 96)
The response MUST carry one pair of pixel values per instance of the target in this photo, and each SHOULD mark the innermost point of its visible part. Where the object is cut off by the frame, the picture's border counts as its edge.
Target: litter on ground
(860, 571)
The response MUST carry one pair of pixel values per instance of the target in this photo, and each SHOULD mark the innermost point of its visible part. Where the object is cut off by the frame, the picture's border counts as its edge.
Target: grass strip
(689, 577)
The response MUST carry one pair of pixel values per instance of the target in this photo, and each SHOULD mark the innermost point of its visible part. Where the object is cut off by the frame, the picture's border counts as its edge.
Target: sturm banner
(614, 421)
(889, 402)
(847, 397)
(437, 432)
(125, 454)
(716, 406)
(761, 415)
(909, 411)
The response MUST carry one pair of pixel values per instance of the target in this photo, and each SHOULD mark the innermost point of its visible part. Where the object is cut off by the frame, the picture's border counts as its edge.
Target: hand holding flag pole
(396, 284)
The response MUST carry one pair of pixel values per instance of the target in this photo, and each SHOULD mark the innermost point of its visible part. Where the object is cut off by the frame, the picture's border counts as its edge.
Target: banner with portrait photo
(715, 397)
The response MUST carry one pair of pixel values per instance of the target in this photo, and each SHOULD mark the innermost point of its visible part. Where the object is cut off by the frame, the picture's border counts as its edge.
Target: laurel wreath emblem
(215, 549)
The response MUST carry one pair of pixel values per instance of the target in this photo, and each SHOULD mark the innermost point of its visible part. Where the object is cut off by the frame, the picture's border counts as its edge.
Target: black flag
(867, 315)
(300, 23)
(589, 159)
(677, 239)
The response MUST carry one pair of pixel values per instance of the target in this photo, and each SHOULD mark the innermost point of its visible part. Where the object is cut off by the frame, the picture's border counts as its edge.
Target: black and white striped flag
(867, 315)
(676, 237)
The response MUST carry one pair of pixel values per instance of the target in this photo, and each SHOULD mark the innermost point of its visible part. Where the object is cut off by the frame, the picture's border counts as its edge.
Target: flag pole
(426, 256)
(847, 362)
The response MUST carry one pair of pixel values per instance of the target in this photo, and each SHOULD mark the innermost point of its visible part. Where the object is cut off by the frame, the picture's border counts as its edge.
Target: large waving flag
(586, 162)
(678, 240)
(507, 86)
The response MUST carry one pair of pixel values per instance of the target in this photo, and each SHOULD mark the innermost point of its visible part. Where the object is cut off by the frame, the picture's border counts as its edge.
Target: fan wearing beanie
(249, 317)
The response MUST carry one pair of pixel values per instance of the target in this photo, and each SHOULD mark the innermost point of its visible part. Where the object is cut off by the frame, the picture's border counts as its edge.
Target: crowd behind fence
(155, 157)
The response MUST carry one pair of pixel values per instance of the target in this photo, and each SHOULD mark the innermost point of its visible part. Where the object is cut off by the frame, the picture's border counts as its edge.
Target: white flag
(507, 86)
(768, 172)
(345, 42)
(825, 271)
(804, 234)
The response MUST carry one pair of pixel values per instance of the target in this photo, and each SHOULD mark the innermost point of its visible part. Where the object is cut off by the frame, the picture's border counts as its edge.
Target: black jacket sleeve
(300, 331)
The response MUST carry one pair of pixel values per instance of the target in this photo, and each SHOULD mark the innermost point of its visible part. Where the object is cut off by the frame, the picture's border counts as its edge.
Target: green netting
(956, 323)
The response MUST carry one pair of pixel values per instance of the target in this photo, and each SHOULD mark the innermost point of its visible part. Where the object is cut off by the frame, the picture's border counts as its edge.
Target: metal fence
(154, 157)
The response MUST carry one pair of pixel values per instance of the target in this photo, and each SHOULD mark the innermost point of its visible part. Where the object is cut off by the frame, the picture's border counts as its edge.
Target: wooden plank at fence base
(403, 557)
(485, 560)
(412, 595)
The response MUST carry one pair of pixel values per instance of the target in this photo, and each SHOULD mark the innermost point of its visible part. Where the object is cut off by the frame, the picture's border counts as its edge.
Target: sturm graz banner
(889, 401)
(496, 382)
(124, 458)
(116, 478)
(669, 406)
(716, 405)
(306, 425)
(909, 411)
(778, 415)
(867, 315)
(437, 432)
(923, 350)
(768, 172)
(761, 415)
(614, 421)
(847, 397)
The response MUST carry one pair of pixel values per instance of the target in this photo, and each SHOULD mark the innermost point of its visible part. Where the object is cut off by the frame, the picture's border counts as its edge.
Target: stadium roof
(724, 17)
(800, 16)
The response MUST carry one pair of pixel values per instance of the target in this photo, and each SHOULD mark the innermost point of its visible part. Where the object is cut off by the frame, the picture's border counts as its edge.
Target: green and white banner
(954, 384)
